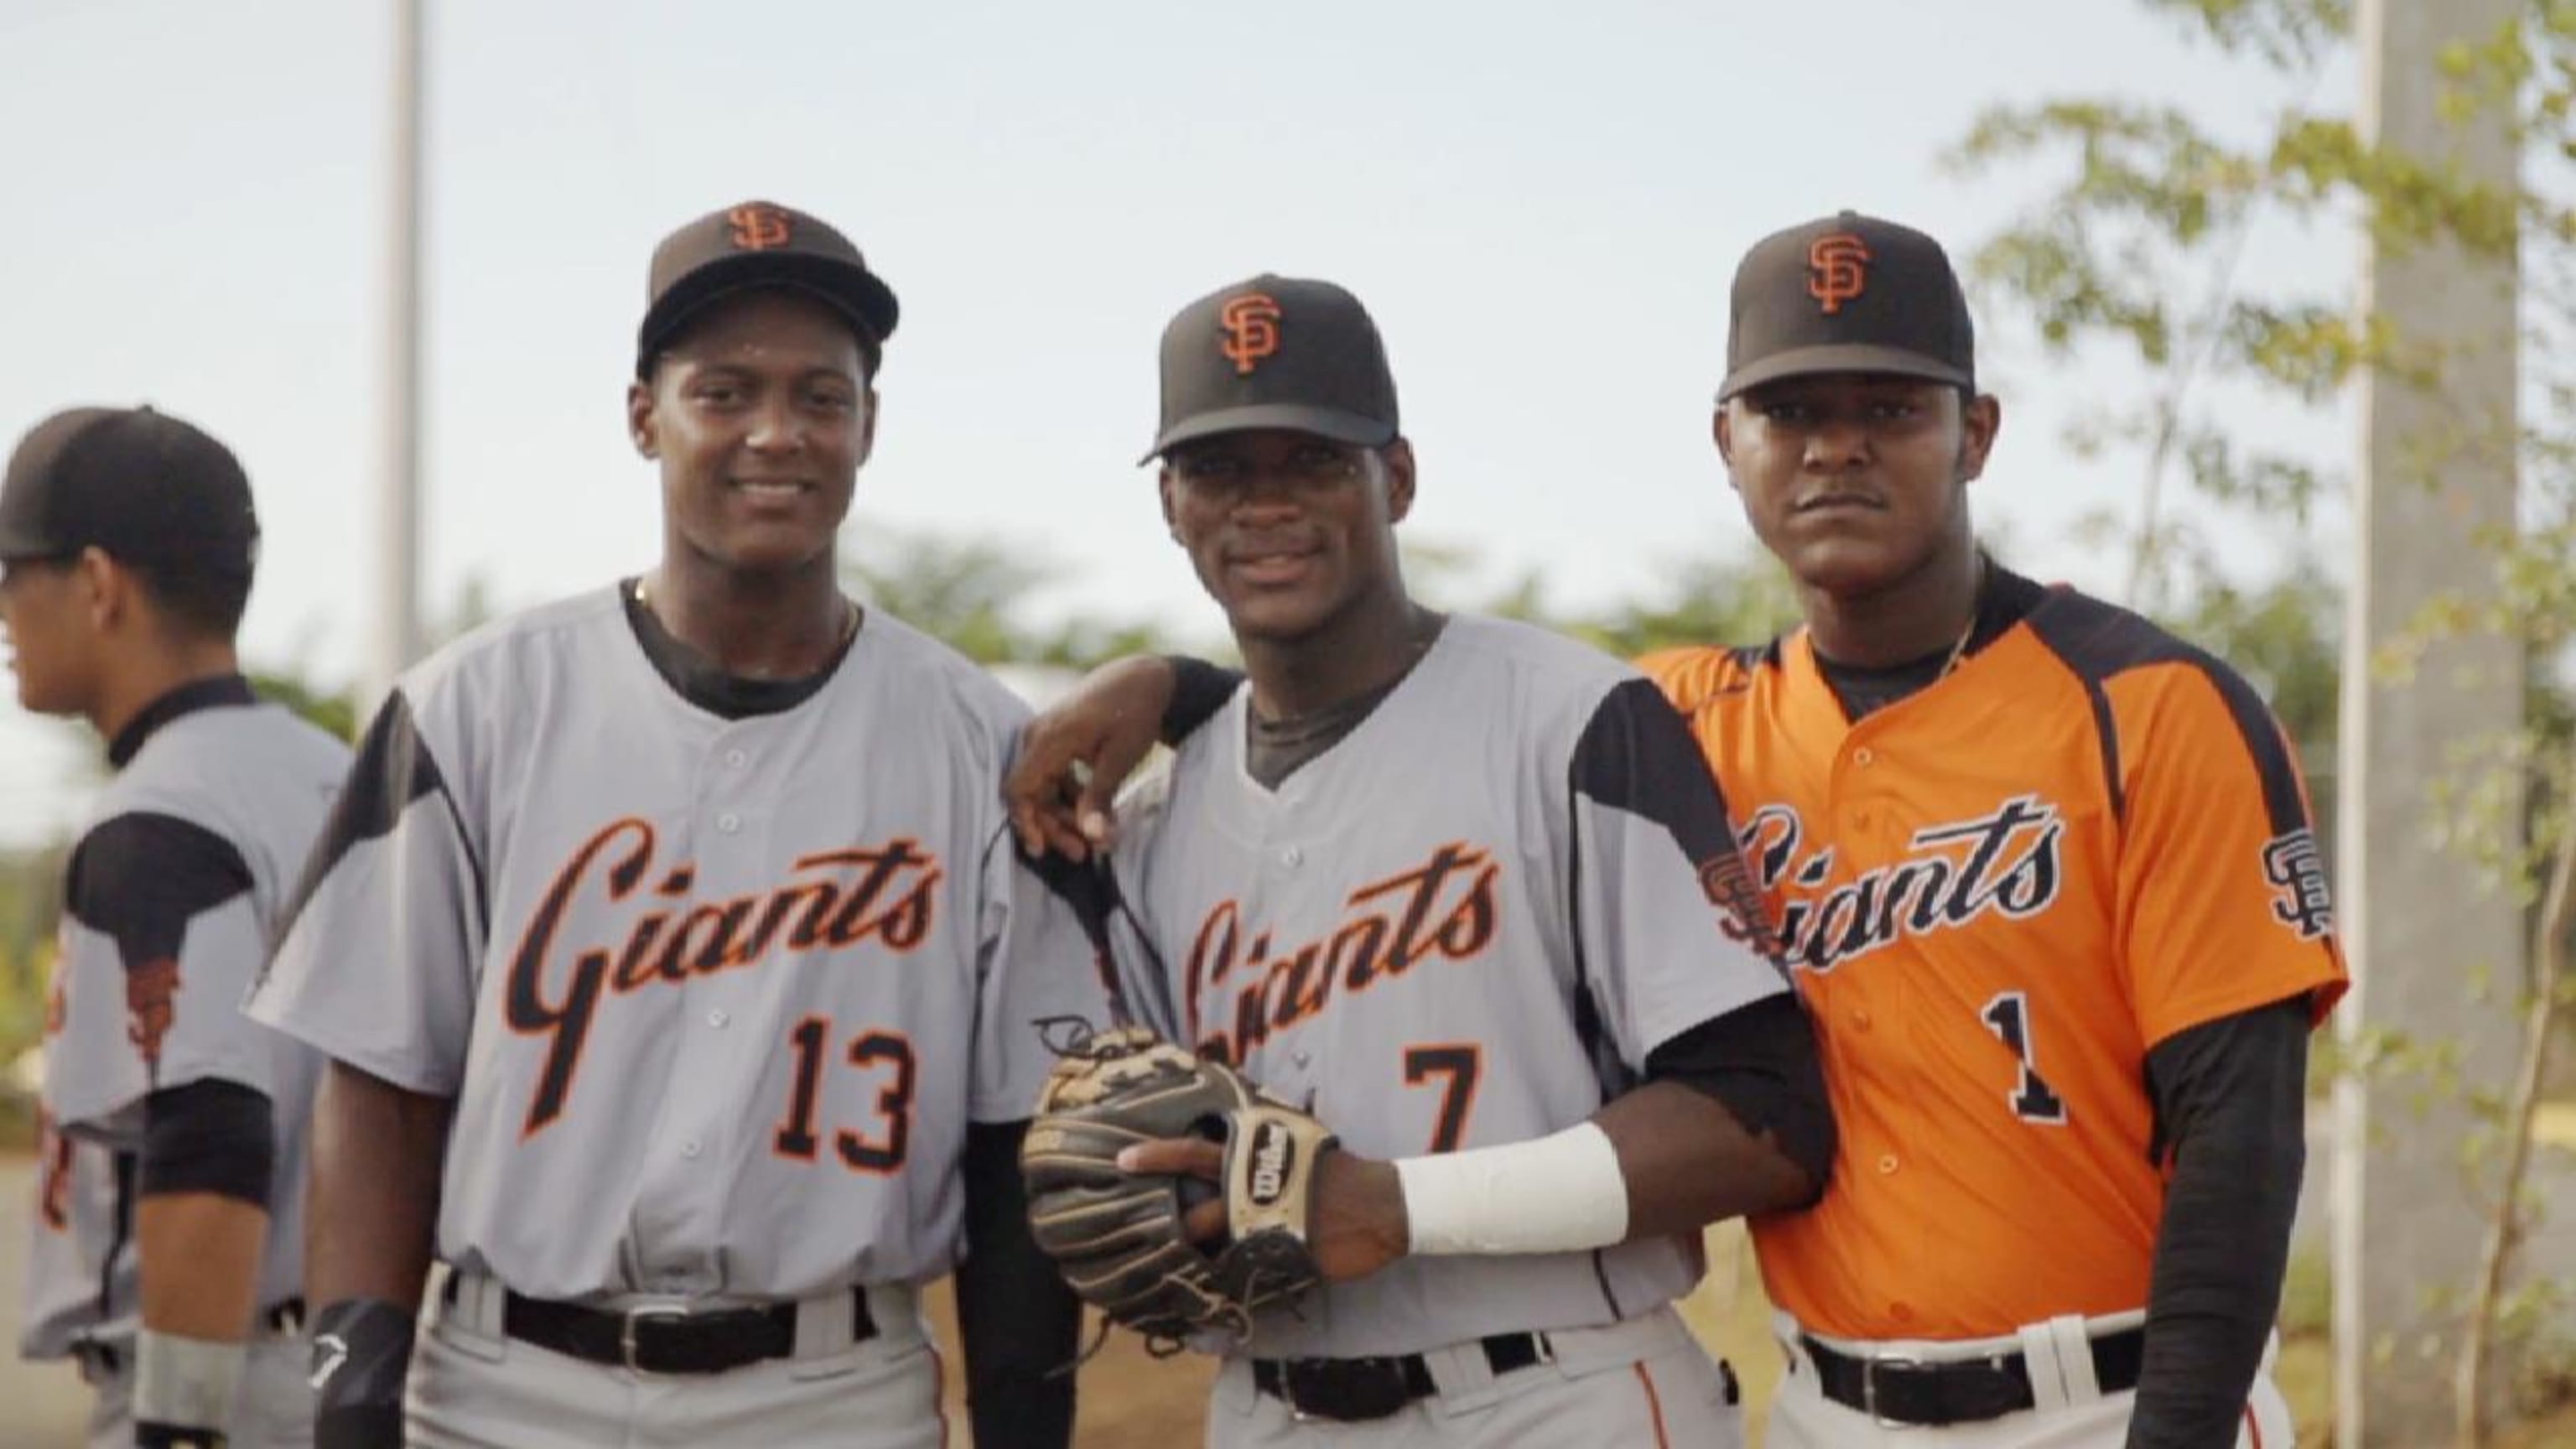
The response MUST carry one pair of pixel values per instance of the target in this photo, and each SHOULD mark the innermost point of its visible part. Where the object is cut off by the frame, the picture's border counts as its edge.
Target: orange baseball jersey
(1997, 895)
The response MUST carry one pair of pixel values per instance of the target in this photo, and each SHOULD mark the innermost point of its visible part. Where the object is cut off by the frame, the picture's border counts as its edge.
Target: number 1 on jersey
(2008, 1016)
(1461, 1063)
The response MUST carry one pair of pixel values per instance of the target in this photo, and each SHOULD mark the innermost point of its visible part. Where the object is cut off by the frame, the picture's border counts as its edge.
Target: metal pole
(397, 623)
(2421, 924)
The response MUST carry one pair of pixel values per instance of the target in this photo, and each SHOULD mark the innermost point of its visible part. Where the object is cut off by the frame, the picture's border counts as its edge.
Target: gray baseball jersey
(79, 1284)
(1467, 923)
(715, 994)
(172, 897)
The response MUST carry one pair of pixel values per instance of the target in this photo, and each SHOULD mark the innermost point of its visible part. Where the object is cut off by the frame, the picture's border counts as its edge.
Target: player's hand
(1075, 755)
(1359, 1224)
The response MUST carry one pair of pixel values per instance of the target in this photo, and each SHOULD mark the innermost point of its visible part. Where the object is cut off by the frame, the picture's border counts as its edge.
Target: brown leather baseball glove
(1119, 1237)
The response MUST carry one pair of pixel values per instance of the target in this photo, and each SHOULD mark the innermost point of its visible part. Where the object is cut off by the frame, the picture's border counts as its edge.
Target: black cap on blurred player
(138, 485)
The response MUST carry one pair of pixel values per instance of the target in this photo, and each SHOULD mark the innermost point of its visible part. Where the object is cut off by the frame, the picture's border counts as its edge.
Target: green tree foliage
(1717, 598)
(975, 594)
(333, 708)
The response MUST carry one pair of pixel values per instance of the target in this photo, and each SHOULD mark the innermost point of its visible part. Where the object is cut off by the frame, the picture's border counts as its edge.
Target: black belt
(285, 1319)
(665, 1338)
(1910, 1391)
(1354, 1390)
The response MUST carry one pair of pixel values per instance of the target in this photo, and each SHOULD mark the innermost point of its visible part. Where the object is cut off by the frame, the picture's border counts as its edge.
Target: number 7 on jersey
(1459, 1065)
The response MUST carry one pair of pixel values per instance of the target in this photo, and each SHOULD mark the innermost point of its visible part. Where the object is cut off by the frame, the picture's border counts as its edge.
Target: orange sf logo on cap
(759, 227)
(1837, 270)
(1251, 324)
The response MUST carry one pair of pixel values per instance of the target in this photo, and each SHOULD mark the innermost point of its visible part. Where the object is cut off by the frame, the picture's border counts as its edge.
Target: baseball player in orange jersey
(2046, 877)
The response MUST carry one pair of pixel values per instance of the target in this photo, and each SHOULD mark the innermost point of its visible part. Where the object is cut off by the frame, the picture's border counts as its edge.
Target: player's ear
(640, 423)
(1723, 430)
(1398, 460)
(103, 587)
(868, 424)
(1981, 417)
(1164, 484)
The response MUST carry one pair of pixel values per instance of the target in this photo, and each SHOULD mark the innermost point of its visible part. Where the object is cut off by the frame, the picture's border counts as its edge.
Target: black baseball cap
(1276, 352)
(760, 244)
(1848, 293)
(140, 485)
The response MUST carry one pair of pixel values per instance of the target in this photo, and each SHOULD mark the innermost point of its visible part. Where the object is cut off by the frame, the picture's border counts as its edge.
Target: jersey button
(717, 1019)
(728, 822)
(1864, 757)
(689, 1150)
(1886, 1163)
(737, 758)
(1292, 857)
(1901, 1312)
(1860, 1020)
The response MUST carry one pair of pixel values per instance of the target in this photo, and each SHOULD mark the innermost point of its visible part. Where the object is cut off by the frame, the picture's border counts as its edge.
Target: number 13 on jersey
(886, 1054)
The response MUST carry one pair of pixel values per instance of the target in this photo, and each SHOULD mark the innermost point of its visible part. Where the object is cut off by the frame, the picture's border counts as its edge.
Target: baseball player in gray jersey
(676, 967)
(1467, 892)
(168, 1260)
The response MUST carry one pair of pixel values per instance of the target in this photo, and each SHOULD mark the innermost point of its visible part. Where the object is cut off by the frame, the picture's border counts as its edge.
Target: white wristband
(187, 1383)
(1562, 1193)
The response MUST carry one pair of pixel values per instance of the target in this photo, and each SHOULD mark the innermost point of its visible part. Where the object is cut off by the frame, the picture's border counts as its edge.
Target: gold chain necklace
(849, 620)
(1959, 649)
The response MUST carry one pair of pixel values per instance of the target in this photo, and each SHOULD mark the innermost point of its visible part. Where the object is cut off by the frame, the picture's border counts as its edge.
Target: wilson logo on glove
(1274, 1152)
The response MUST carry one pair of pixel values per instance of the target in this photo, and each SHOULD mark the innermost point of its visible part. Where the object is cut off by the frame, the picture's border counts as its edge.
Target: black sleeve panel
(2231, 1102)
(209, 1136)
(1199, 690)
(1637, 755)
(1760, 1063)
(394, 767)
(139, 879)
(1017, 1321)
(2098, 641)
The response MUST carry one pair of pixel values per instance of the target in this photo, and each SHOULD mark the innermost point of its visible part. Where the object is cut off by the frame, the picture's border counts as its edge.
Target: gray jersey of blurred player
(1465, 924)
(147, 996)
(715, 997)
(79, 1281)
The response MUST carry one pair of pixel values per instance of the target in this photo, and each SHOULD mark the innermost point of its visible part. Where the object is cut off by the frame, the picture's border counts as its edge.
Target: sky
(1541, 204)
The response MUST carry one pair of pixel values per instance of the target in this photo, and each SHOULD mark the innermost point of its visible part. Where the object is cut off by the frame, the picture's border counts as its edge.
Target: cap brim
(1331, 423)
(16, 544)
(1842, 357)
(856, 294)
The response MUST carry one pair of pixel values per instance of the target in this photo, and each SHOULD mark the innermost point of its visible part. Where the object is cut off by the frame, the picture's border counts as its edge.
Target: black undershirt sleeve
(1759, 1062)
(1199, 689)
(209, 1136)
(1017, 1322)
(2231, 1110)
